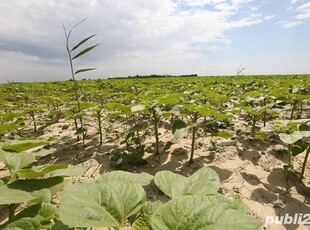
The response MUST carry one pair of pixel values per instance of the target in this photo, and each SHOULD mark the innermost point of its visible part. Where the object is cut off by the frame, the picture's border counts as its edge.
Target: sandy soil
(249, 169)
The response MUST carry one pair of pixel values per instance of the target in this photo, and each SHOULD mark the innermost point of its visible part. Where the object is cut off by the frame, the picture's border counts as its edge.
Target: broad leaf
(70, 171)
(41, 212)
(24, 224)
(305, 130)
(143, 220)
(10, 116)
(290, 138)
(100, 205)
(4, 128)
(298, 147)
(43, 152)
(138, 178)
(166, 180)
(60, 226)
(203, 182)
(15, 161)
(37, 171)
(22, 145)
(53, 184)
(137, 108)
(202, 212)
(13, 196)
(221, 117)
(180, 129)
(223, 134)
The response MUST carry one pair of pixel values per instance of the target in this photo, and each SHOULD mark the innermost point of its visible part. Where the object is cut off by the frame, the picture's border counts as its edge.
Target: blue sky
(206, 37)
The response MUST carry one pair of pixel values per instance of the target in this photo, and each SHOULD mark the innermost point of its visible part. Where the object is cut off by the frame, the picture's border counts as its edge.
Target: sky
(139, 37)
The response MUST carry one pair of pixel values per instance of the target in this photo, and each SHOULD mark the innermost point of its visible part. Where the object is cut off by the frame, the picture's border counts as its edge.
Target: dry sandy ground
(248, 169)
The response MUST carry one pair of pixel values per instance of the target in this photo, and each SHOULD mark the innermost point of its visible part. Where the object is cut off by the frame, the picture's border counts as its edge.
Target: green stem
(156, 121)
(254, 124)
(300, 110)
(193, 144)
(12, 209)
(265, 118)
(293, 109)
(34, 121)
(100, 127)
(289, 154)
(304, 164)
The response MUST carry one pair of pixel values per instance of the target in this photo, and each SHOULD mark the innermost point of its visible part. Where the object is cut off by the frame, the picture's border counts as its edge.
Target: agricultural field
(155, 153)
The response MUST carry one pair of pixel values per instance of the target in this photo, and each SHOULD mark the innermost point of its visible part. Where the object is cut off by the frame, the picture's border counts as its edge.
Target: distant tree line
(154, 76)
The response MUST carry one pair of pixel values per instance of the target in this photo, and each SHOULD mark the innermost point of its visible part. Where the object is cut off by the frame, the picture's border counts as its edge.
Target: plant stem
(293, 109)
(289, 154)
(156, 121)
(300, 110)
(304, 164)
(193, 144)
(100, 127)
(12, 209)
(253, 126)
(265, 118)
(34, 121)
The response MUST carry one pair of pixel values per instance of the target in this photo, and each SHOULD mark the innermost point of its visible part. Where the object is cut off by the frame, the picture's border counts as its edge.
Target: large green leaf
(42, 212)
(15, 161)
(22, 145)
(143, 221)
(202, 182)
(13, 196)
(4, 128)
(180, 129)
(168, 100)
(223, 134)
(138, 178)
(43, 152)
(10, 116)
(100, 205)
(70, 171)
(305, 130)
(24, 224)
(221, 117)
(206, 112)
(37, 171)
(137, 108)
(54, 184)
(299, 147)
(166, 181)
(290, 138)
(202, 212)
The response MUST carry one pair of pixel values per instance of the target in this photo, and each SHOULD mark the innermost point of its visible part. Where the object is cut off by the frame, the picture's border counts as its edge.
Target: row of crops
(275, 109)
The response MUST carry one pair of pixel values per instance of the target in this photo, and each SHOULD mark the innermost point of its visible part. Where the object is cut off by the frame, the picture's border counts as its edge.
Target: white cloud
(302, 12)
(203, 2)
(288, 24)
(304, 7)
(303, 16)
